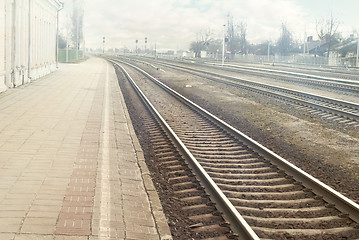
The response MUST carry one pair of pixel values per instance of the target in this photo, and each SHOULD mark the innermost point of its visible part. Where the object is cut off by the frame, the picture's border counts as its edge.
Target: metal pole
(224, 37)
(136, 46)
(357, 62)
(67, 51)
(77, 35)
(57, 36)
(29, 43)
(268, 53)
(103, 47)
(14, 54)
(145, 44)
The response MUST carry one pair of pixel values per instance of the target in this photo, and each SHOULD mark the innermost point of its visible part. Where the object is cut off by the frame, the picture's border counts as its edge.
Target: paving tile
(71, 173)
(7, 236)
(62, 237)
(38, 229)
(34, 237)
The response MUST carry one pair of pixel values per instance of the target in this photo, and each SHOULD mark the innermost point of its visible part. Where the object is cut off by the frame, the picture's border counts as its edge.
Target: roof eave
(57, 4)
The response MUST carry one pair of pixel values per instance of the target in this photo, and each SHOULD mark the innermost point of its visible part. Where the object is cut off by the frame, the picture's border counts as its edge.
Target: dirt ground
(321, 149)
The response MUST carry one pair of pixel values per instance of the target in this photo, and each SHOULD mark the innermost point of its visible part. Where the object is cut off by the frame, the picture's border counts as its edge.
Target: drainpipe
(29, 45)
(57, 35)
(14, 44)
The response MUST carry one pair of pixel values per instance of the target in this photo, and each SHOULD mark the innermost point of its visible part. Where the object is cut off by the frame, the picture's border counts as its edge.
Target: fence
(69, 55)
(298, 59)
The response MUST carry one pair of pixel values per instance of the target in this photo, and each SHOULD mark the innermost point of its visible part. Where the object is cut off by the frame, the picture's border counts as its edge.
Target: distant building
(28, 32)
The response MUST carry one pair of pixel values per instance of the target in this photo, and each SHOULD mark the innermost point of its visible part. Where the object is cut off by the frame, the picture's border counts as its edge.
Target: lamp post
(145, 44)
(77, 35)
(155, 50)
(136, 46)
(103, 47)
(224, 38)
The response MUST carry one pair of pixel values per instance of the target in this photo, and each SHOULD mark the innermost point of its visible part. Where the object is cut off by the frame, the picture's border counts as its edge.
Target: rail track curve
(342, 112)
(274, 197)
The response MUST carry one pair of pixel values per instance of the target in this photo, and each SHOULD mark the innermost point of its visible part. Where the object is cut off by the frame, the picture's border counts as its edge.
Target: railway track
(349, 83)
(336, 72)
(296, 77)
(190, 212)
(332, 110)
(248, 181)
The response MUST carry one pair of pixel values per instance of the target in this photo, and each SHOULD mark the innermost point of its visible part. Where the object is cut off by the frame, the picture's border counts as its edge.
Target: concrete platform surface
(71, 167)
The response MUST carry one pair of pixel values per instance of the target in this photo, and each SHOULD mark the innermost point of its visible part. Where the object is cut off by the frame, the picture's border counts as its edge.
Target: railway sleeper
(208, 217)
(321, 211)
(177, 173)
(260, 188)
(308, 234)
(326, 222)
(253, 182)
(192, 200)
(269, 203)
(224, 157)
(190, 192)
(211, 228)
(213, 143)
(241, 176)
(167, 147)
(236, 164)
(238, 169)
(228, 145)
(161, 154)
(223, 148)
(242, 161)
(198, 209)
(179, 179)
(170, 159)
(219, 152)
(184, 185)
(274, 196)
(175, 167)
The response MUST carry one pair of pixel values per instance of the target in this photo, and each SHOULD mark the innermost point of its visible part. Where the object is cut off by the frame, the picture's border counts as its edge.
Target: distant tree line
(236, 40)
(73, 36)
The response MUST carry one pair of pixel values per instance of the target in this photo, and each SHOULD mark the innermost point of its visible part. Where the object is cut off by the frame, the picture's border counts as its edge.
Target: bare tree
(285, 41)
(236, 36)
(77, 15)
(242, 28)
(62, 42)
(232, 36)
(204, 38)
(327, 30)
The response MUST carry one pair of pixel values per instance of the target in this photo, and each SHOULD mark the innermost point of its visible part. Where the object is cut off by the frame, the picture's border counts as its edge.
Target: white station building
(28, 40)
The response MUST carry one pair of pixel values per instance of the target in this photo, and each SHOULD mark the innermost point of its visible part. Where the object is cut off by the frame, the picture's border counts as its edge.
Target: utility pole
(145, 44)
(136, 46)
(77, 35)
(268, 53)
(155, 50)
(103, 47)
(224, 39)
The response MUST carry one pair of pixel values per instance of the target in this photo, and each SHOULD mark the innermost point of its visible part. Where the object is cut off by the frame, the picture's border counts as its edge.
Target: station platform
(71, 167)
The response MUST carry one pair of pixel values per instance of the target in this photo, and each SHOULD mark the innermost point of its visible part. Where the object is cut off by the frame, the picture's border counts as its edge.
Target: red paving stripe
(76, 212)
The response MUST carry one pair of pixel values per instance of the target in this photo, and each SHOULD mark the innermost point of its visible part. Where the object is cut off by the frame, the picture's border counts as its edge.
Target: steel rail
(331, 79)
(330, 195)
(338, 83)
(239, 225)
(342, 86)
(334, 111)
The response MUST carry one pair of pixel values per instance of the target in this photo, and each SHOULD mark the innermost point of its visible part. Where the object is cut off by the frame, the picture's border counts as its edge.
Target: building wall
(27, 40)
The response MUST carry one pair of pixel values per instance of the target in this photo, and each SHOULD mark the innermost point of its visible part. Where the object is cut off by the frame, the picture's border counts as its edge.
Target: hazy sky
(173, 24)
